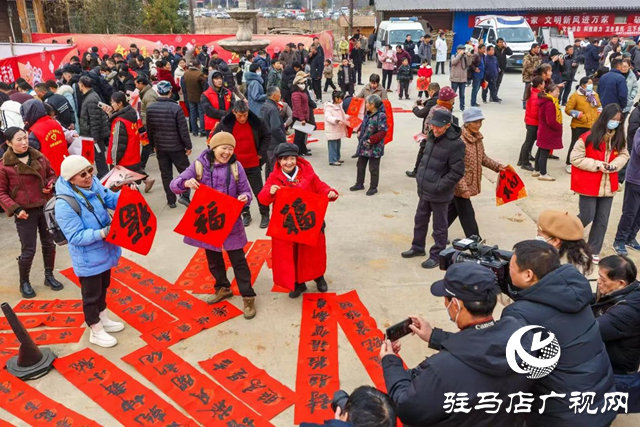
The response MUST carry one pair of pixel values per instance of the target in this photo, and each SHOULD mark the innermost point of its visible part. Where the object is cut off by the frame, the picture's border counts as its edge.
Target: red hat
(214, 52)
(544, 46)
(446, 94)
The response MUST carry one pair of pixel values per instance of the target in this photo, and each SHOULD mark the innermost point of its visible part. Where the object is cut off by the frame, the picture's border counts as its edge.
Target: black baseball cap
(467, 281)
(440, 118)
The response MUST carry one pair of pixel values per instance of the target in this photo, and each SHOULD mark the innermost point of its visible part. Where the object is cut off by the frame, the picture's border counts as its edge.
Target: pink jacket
(300, 105)
(388, 55)
(333, 113)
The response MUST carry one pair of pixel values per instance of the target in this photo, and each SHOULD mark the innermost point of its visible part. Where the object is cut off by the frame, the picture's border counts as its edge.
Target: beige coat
(581, 161)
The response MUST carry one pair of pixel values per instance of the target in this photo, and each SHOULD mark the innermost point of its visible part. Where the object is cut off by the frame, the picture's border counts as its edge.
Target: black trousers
(404, 88)
(300, 139)
(440, 64)
(347, 88)
(101, 159)
(269, 164)
(491, 90)
(374, 170)
(28, 230)
(370, 53)
(575, 134)
(94, 295)
(317, 88)
(542, 155)
(254, 176)
(329, 83)
(630, 220)
(358, 69)
(387, 76)
(145, 154)
(166, 161)
(419, 156)
(565, 91)
(421, 226)
(240, 270)
(527, 146)
(286, 95)
(499, 81)
(463, 209)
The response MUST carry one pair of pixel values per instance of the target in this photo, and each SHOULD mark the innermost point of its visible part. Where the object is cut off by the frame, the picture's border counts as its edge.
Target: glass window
(476, 33)
(33, 25)
(492, 37)
(620, 19)
(399, 36)
(516, 34)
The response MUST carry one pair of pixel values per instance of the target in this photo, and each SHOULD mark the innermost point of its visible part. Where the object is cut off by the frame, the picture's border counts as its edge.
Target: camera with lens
(472, 250)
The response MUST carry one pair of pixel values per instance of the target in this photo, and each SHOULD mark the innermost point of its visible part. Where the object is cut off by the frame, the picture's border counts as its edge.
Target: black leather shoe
(527, 168)
(322, 284)
(430, 263)
(264, 221)
(357, 187)
(26, 290)
(184, 201)
(412, 253)
(553, 157)
(246, 218)
(300, 288)
(355, 156)
(411, 174)
(372, 191)
(50, 281)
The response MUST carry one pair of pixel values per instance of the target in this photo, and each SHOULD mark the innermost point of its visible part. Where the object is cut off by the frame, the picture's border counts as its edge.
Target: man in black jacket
(270, 114)
(169, 134)
(471, 361)
(64, 111)
(94, 123)
(316, 63)
(502, 51)
(288, 74)
(357, 57)
(422, 111)
(441, 167)
(591, 58)
(557, 298)
(252, 141)
(568, 74)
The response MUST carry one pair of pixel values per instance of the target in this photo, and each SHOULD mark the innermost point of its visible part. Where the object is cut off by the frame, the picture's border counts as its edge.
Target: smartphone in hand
(399, 330)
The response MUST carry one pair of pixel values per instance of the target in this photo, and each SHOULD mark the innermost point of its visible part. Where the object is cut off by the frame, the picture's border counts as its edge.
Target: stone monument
(244, 37)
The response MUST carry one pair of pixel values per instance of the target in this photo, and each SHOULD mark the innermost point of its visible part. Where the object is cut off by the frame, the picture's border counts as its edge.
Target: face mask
(613, 124)
(544, 52)
(542, 239)
(302, 87)
(589, 88)
(258, 72)
(457, 314)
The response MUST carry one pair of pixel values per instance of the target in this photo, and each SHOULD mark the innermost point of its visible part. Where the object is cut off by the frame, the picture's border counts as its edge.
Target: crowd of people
(129, 107)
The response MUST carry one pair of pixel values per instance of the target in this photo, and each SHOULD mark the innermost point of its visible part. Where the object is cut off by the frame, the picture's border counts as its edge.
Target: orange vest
(588, 183)
(53, 144)
(132, 152)
(209, 122)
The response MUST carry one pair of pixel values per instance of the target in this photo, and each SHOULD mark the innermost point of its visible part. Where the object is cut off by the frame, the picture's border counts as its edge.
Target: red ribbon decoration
(134, 224)
(318, 376)
(210, 216)
(34, 408)
(116, 392)
(300, 227)
(252, 385)
(49, 306)
(509, 187)
(44, 337)
(201, 398)
(389, 112)
(50, 319)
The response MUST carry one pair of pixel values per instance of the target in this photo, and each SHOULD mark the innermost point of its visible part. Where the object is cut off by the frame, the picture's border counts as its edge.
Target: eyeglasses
(88, 171)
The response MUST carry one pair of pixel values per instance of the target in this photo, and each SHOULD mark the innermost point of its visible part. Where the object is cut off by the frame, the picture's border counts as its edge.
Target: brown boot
(249, 307)
(221, 294)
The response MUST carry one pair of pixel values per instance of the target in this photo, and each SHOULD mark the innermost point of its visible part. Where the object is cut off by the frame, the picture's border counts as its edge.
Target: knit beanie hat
(73, 165)
(447, 94)
(222, 138)
(561, 224)
(163, 87)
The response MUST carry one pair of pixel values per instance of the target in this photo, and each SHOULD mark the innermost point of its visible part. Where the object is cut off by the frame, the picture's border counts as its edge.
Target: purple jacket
(217, 179)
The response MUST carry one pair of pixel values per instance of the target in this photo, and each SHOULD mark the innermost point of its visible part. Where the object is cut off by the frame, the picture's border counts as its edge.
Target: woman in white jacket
(335, 126)
(441, 52)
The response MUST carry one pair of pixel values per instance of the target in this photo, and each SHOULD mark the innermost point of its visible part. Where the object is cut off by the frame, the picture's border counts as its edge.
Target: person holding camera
(365, 407)
(565, 232)
(472, 360)
(558, 298)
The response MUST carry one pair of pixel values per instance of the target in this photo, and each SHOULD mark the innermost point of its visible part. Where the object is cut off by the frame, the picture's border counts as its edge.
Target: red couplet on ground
(44, 337)
(6, 354)
(48, 319)
(128, 401)
(318, 376)
(49, 306)
(261, 392)
(34, 408)
(204, 400)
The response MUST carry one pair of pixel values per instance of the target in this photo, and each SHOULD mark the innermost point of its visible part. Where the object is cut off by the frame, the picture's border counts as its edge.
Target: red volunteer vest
(132, 153)
(588, 183)
(209, 122)
(53, 144)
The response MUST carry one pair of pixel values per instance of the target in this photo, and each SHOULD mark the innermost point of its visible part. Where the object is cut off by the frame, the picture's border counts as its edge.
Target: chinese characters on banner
(252, 385)
(48, 319)
(317, 377)
(134, 225)
(509, 187)
(129, 402)
(166, 335)
(389, 112)
(44, 337)
(210, 216)
(34, 408)
(298, 216)
(50, 306)
(355, 111)
(199, 396)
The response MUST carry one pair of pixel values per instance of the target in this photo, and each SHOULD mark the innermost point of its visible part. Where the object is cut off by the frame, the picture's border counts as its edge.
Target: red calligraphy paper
(389, 112)
(6, 354)
(34, 408)
(88, 149)
(131, 403)
(356, 110)
(139, 313)
(318, 376)
(166, 335)
(210, 216)
(51, 306)
(509, 187)
(44, 337)
(354, 122)
(3, 423)
(319, 125)
(217, 314)
(201, 398)
(261, 392)
(134, 224)
(51, 320)
(298, 216)
(318, 111)
(177, 302)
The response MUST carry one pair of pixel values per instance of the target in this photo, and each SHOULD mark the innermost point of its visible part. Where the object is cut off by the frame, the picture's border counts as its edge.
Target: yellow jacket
(590, 114)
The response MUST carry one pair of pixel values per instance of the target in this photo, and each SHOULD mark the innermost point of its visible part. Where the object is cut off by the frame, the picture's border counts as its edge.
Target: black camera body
(340, 398)
(472, 250)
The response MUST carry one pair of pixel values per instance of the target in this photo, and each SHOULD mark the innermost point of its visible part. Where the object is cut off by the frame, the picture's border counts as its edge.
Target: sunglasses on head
(87, 172)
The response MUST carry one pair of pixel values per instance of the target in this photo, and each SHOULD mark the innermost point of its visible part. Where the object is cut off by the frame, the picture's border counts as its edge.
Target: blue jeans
(477, 81)
(460, 87)
(334, 150)
(195, 112)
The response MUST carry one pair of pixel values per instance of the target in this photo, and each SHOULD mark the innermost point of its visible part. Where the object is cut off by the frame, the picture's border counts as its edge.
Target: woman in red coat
(549, 130)
(294, 263)
(531, 122)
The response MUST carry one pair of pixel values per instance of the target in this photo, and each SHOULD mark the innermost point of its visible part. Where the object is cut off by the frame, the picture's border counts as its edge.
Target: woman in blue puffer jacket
(86, 224)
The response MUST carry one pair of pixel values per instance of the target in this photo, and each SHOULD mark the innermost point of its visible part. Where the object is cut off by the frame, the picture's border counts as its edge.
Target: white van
(515, 31)
(394, 32)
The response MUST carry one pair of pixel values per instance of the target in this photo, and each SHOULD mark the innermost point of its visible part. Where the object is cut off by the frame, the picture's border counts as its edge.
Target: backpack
(200, 170)
(50, 217)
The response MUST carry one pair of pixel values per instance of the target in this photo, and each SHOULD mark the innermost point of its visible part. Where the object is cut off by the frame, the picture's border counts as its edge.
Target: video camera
(472, 250)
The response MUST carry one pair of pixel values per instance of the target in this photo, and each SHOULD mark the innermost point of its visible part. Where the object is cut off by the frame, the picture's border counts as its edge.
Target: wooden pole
(193, 18)
(24, 20)
(350, 18)
(38, 10)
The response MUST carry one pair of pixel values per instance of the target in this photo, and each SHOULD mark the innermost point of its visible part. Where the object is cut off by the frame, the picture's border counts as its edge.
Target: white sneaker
(595, 259)
(110, 325)
(567, 169)
(546, 177)
(535, 174)
(100, 337)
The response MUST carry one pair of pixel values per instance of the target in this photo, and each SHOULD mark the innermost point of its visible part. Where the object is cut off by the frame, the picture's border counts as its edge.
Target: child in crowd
(336, 126)
(328, 75)
(424, 78)
(346, 77)
(405, 76)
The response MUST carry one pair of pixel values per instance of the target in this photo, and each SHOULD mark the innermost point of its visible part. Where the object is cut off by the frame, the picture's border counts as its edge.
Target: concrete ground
(365, 236)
